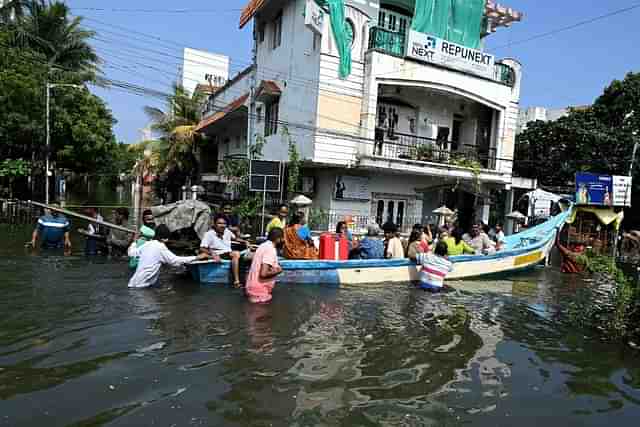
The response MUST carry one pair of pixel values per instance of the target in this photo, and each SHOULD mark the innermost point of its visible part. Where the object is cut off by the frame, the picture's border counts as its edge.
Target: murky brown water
(77, 348)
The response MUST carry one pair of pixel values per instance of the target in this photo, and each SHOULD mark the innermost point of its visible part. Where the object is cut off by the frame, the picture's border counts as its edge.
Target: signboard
(426, 48)
(352, 188)
(265, 176)
(593, 189)
(622, 190)
(314, 17)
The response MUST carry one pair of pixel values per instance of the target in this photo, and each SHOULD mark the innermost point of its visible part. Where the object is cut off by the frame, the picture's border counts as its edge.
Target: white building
(417, 123)
(532, 114)
(203, 68)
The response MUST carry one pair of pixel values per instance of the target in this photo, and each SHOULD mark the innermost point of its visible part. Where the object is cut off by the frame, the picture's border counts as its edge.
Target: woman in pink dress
(264, 269)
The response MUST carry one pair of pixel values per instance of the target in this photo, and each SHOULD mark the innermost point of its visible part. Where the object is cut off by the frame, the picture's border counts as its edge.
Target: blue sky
(568, 68)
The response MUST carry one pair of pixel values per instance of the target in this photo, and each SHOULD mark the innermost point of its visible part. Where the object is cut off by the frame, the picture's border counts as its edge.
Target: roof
(250, 10)
(268, 89)
(228, 109)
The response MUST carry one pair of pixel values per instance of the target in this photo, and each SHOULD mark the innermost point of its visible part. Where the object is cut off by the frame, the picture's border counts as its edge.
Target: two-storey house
(394, 105)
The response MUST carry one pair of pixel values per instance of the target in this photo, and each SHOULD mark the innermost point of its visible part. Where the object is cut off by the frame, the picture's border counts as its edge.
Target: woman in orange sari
(297, 241)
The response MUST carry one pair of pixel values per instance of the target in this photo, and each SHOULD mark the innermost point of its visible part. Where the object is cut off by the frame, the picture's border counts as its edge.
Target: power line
(571, 27)
(179, 11)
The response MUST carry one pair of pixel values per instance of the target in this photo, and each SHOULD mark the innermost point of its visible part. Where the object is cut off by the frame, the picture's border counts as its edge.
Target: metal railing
(329, 220)
(387, 41)
(394, 43)
(413, 147)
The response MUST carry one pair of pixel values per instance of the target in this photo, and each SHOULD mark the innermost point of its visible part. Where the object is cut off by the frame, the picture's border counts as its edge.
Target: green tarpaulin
(341, 35)
(458, 21)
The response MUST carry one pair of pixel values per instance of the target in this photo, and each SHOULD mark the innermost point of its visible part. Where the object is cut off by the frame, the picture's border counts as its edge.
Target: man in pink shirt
(264, 269)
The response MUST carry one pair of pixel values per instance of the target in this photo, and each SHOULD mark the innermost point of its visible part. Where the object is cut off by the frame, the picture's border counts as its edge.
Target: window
(259, 114)
(350, 30)
(261, 29)
(277, 31)
(271, 118)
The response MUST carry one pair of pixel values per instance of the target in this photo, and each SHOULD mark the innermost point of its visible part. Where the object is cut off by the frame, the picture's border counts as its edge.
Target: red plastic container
(334, 248)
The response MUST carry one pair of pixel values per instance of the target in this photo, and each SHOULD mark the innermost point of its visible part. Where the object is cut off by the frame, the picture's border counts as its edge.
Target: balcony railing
(387, 41)
(412, 147)
(394, 43)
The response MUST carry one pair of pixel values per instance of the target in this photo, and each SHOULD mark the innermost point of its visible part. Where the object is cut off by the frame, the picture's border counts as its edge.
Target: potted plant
(423, 152)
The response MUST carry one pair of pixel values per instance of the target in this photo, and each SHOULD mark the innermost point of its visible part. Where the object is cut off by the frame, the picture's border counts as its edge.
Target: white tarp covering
(540, 202)
(184, 214)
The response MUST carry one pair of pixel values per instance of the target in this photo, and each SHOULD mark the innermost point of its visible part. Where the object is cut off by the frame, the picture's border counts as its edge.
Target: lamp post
(48, 134)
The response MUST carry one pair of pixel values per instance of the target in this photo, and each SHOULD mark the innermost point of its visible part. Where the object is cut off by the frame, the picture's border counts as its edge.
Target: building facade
(392, 115)
(202, 68)
(532, 114)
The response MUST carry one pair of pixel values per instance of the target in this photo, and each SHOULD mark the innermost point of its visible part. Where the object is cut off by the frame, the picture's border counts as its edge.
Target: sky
(565, 68)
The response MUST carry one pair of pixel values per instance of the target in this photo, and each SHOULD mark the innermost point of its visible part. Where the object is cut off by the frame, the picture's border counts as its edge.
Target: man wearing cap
(53, 231)
(371, 247)
(146, 235)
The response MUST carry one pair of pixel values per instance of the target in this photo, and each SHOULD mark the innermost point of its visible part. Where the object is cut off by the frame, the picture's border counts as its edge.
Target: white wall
(198, 63)
(294, 67)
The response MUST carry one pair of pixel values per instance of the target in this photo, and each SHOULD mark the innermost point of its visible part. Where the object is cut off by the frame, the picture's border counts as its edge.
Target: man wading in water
(53, 232)
(153, 255)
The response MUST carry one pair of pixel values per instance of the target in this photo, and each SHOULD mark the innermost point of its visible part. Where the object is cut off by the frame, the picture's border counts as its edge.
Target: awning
(267, 90)
(250, 10)
(228, 109)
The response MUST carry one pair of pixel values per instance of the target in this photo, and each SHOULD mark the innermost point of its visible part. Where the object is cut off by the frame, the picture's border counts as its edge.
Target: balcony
(411, 147)
(394, 43)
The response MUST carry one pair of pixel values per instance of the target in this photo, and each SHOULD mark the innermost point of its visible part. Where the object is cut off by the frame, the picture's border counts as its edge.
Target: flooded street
(77, 348)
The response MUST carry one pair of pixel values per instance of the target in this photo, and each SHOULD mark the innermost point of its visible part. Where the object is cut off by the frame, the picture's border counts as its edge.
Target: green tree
(598, 139)
(47, 29)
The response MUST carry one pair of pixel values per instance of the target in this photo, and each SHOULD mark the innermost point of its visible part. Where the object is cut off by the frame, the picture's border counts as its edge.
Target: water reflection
(387, 355)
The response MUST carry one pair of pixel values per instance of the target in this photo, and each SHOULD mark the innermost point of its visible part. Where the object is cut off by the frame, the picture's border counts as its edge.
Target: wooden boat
(521, 251)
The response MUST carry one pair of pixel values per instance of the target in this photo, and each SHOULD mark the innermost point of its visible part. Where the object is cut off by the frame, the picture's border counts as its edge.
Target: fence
(328, 221)
(16, 212)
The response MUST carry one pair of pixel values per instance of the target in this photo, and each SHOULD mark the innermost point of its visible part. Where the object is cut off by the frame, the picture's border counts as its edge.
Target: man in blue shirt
(371, 247)
(52, 231)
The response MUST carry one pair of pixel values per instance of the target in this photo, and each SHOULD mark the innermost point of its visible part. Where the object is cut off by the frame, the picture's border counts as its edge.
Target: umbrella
(516, 215)
(444, 211)
(301, 200)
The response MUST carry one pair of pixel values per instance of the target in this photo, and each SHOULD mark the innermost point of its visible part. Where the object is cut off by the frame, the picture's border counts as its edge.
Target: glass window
(271, 118)
(390, 207)
(276, 40)
(400, 214)
(380, 212)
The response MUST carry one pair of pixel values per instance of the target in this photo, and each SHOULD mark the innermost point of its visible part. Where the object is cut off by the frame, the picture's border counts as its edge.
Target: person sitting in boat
(371, 247)
(53, 231)
(297, 241)
(456, 245)
(264, 269)
(342, 230)
(479, 240)
(153, 255)
(118, 241)
(416, 245)
(435, 267)
(426, 237)
(146, 235)
(217, 243)
(280, 220)
(394, 248)
(233, 222)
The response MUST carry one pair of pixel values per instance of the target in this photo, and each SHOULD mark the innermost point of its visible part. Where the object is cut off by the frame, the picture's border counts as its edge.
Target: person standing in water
(146, 235)
(264, 269)
(52, 231)
(154, 255)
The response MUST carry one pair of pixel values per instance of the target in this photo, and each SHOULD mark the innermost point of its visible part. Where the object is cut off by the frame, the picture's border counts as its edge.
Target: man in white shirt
(217, 243)
(152, 256)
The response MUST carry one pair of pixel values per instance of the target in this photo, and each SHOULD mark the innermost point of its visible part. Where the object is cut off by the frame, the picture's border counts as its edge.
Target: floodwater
(77, 348)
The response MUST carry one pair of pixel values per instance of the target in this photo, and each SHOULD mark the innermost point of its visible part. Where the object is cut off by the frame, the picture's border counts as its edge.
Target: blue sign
(594, 189)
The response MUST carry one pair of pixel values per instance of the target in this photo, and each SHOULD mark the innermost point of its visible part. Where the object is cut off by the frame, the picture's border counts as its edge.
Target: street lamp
(48, 134)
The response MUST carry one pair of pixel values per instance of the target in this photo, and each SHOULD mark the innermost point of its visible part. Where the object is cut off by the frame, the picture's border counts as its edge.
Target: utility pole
(48, 134)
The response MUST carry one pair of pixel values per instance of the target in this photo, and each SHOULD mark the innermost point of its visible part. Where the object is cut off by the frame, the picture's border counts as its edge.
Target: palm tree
(176, 127)
(12, 10)
(46, 28)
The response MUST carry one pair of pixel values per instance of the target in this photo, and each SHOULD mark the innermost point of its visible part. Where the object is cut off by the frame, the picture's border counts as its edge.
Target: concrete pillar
(508, 208)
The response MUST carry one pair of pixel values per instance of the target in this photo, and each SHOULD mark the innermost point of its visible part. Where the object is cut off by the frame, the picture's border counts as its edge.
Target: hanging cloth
(340, 35)
(432, 17)
(465, 22)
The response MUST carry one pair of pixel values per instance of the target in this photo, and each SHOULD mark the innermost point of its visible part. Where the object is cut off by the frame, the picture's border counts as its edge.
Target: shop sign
(603, 190)
(426, 48)
(314, 17)
(352, 188)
